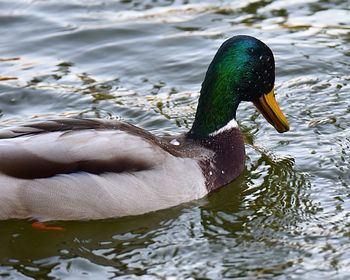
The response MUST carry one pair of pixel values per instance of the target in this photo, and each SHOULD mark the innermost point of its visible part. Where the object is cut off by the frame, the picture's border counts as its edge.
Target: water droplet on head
(175, 142)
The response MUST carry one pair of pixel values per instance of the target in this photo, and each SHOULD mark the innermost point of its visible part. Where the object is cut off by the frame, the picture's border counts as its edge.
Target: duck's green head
(243, 69)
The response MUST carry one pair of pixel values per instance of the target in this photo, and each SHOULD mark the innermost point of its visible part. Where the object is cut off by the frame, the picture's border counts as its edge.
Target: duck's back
(89, 169)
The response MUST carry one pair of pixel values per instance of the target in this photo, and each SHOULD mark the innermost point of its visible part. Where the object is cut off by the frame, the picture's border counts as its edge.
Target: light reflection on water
(287, 215)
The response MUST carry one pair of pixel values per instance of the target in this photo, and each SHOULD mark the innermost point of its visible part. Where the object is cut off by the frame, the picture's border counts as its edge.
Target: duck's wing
(45, 149)
(83, 169)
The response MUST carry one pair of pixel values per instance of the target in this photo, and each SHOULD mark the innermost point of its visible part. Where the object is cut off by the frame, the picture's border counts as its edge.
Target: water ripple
(287, 215)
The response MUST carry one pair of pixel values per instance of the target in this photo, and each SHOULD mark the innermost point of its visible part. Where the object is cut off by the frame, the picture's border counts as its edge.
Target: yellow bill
(268, 106)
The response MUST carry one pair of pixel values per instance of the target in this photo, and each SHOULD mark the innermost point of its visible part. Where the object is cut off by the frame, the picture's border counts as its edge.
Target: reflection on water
(233, 227)
(287, 216)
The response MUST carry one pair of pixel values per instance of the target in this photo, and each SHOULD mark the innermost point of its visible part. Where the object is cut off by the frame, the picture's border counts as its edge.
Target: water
(286, 217)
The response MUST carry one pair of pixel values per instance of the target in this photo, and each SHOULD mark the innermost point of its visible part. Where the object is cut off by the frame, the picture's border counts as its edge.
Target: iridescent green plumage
(243, 69)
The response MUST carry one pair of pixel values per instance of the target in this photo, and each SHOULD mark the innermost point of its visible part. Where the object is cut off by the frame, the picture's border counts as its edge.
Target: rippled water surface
(286, 217)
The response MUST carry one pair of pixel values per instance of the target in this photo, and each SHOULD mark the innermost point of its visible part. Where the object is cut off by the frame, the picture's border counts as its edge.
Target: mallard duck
(78, 169)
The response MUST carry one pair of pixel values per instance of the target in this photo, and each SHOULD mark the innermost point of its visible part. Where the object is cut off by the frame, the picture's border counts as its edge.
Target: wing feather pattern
(38, 154)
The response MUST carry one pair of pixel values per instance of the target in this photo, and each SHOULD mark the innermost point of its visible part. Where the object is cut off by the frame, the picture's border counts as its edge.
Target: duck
(87, 169)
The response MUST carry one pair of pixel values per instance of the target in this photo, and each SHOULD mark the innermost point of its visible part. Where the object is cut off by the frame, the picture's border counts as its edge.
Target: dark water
(286, 217)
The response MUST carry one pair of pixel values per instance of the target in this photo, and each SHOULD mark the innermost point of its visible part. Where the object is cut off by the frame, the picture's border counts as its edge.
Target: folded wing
(50, 148)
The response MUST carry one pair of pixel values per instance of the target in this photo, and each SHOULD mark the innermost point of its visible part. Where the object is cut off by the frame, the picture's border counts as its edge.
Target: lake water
(286, 217)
